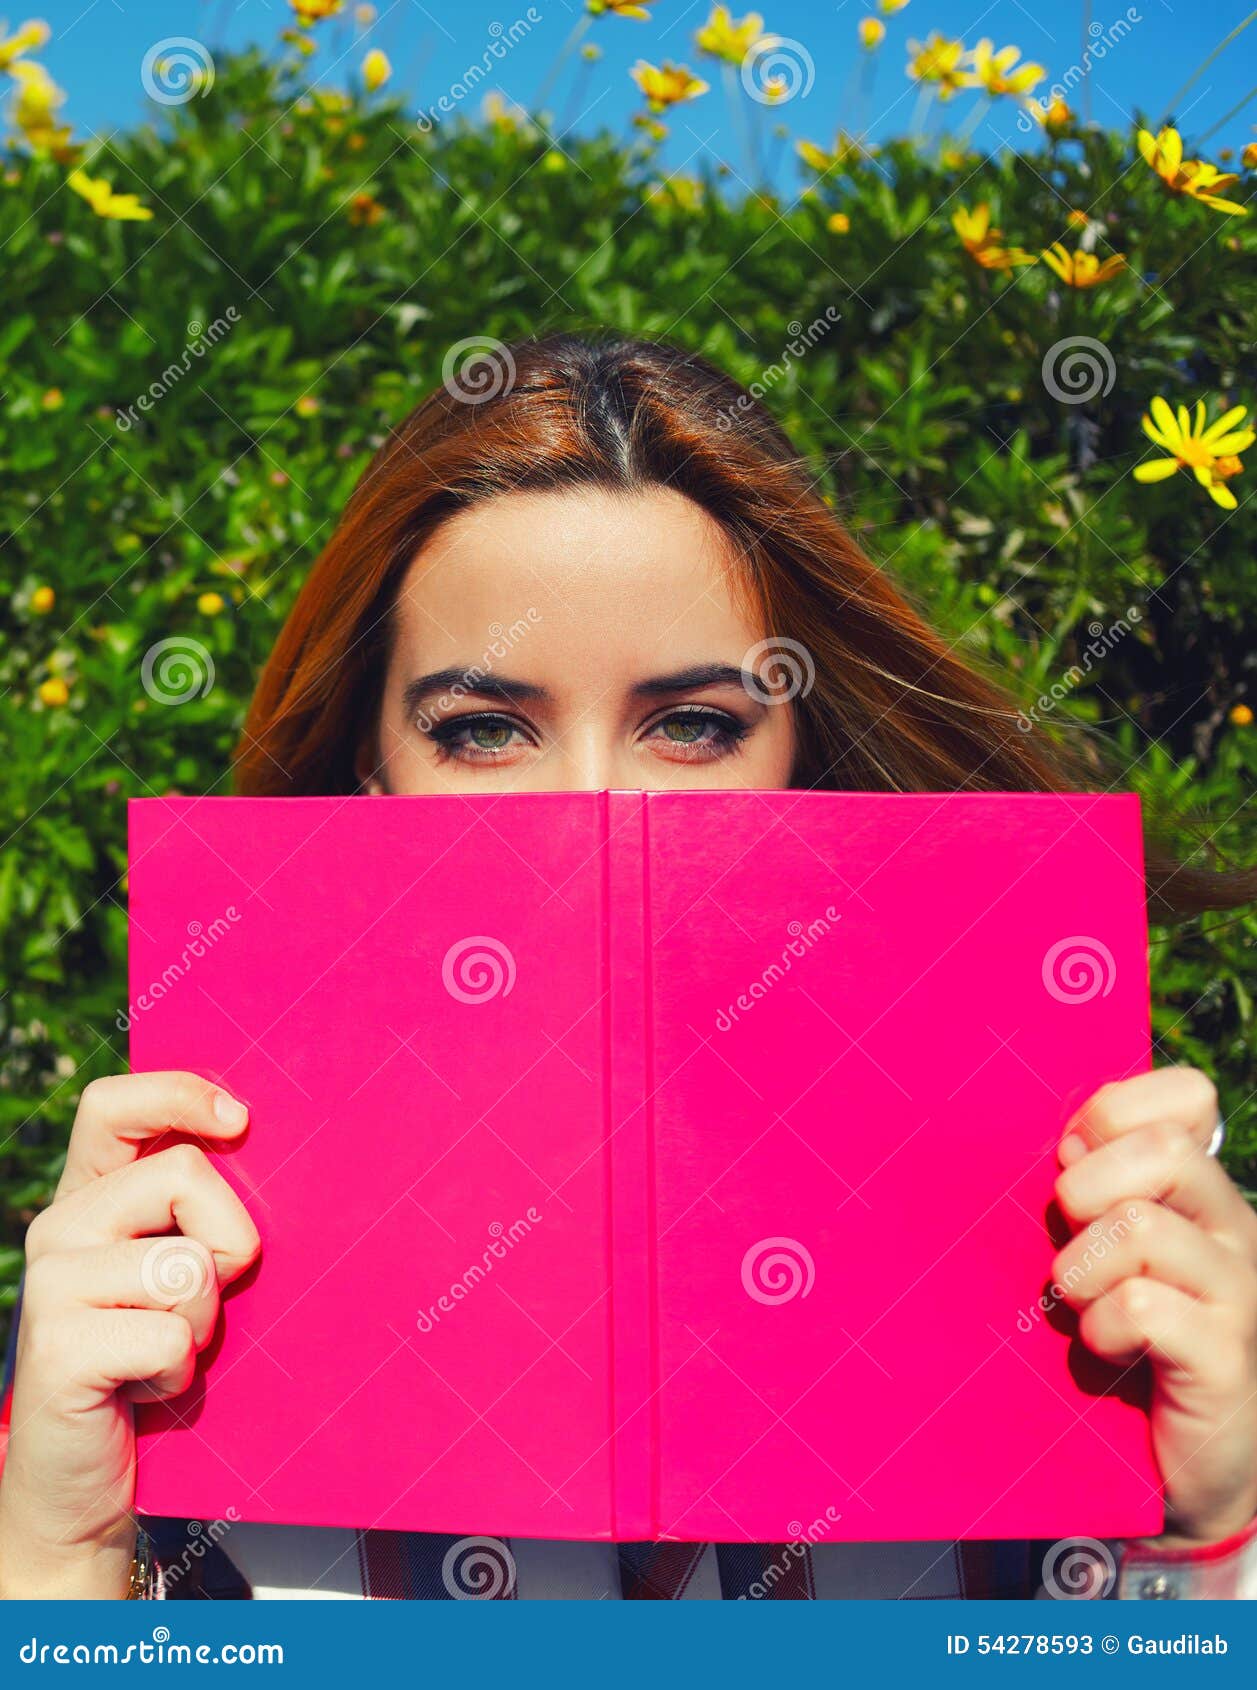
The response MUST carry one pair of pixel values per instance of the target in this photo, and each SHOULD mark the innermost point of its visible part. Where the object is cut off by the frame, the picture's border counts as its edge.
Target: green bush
(346, 252)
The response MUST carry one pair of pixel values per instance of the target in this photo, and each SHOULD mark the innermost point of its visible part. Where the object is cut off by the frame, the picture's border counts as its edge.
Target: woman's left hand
(1164, 1264)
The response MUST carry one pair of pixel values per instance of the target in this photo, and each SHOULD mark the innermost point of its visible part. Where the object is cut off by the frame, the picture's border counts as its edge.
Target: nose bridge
(586, 755)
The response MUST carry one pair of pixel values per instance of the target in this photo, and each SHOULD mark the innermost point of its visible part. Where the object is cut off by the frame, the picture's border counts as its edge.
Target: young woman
(646, 525)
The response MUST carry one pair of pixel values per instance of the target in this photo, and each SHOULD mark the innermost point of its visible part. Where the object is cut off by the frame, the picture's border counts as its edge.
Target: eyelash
(727, 736)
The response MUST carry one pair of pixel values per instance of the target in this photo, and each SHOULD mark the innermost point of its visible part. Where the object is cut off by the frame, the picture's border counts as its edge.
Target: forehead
(602, 579)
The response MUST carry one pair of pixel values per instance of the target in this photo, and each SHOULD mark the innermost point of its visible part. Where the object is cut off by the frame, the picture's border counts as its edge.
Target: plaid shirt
(217, 1560)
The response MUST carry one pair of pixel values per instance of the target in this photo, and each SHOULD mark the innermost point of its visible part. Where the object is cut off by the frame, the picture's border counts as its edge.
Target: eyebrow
(504, 687)
(469, 680)
(691, 679)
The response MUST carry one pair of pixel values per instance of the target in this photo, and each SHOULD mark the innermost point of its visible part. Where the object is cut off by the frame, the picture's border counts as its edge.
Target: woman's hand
(115, 1308)
(1164, 1263)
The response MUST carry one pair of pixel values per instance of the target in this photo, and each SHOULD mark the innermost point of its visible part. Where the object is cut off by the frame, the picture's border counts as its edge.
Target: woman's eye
(474, 738)
(698, 732)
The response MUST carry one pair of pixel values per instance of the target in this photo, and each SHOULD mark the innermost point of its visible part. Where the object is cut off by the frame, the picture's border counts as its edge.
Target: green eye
(475, 738)
(490, 736)
(683, 730)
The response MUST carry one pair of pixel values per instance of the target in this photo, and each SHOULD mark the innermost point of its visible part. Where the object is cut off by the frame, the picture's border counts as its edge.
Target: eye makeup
(687, 733)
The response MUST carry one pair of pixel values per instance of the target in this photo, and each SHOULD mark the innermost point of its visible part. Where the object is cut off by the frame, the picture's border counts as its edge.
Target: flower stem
(1204, 65)
(565, 52)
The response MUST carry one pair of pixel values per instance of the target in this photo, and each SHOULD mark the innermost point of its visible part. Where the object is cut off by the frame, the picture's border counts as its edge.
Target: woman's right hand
(115, 1307)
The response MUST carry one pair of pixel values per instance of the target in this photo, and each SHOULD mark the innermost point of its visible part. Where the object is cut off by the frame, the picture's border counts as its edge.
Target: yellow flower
(1210, 451)
(1193, 177)
(985, 244)
(994, 71)
(27, 39)
(364, 211)
(307, 406)
(42, 600)
(1082, 269)
(872, 33)
(591, 53)
(666, 85)
(620, 8)
(299, 41)
(1248, 158)
(124, 208)
(54, 692)
(1242, 716)
(889, 7)
(650, 126)
(1053, 114)
(505, 117)
(37, 103)
(314, 11)
(846, 149)
(725, 37)
(376, 70)
(211, 604)
(685, 192)
(1078, 219)
(554, 161)
(838, 224)
(938, 60)
(53, 400)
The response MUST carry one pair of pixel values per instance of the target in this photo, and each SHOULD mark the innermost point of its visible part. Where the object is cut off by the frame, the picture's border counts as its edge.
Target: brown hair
(893, 706)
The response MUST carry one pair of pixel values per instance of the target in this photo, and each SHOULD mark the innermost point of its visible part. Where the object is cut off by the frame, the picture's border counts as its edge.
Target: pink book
(644, 1166)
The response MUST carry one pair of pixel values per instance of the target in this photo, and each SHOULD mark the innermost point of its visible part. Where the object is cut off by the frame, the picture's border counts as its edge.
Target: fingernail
(228, 1111)
(1071, 1149)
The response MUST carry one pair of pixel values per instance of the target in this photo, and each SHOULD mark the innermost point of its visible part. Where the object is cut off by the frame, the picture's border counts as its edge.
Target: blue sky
(98, 47)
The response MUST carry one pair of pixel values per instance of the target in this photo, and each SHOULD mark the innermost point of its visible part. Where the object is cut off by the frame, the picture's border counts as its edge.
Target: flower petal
(1156, 469)
(1231, 445)
(1163, 416)
(1167, 442)
(1225, 422)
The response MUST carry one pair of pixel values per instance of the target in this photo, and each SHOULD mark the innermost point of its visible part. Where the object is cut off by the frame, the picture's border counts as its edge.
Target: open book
(669, 1165)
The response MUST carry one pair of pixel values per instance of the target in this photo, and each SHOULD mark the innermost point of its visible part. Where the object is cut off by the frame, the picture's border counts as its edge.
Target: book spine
(631, 1169)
